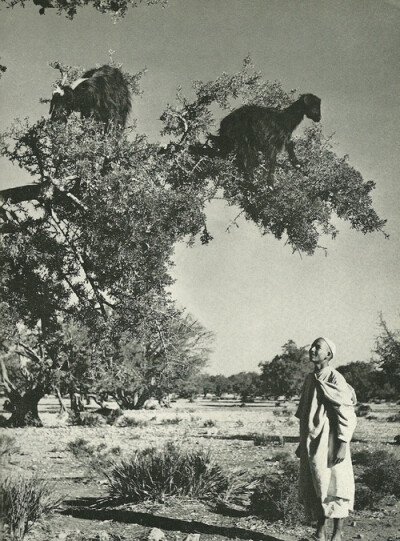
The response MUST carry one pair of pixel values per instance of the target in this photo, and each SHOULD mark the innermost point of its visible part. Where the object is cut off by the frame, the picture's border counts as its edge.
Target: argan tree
(69, 8)
(90, 242)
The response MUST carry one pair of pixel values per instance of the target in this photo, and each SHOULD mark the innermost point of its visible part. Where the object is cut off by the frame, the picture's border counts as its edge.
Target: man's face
(319, 351)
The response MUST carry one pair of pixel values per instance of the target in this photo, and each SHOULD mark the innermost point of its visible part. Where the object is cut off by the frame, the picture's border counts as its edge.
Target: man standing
(327, 422)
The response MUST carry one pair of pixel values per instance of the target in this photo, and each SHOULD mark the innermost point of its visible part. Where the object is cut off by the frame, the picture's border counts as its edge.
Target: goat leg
(292, 156)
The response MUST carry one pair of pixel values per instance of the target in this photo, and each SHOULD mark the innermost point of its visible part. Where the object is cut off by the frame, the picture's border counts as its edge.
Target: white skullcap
(331, 345)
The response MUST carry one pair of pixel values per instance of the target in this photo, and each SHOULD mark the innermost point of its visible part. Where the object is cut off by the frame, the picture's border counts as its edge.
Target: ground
(223, 427)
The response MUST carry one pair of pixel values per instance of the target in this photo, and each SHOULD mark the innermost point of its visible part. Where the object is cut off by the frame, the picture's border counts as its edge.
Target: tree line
(378, 378)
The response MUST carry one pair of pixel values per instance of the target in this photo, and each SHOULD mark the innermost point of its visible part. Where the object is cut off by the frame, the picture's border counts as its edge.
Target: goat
(254, 132)
(101, 93)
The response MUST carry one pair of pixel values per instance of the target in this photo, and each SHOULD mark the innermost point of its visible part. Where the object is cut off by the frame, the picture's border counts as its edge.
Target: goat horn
(77, 82)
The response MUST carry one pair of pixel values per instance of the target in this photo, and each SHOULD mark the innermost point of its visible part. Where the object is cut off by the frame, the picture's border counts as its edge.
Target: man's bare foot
(337, 536)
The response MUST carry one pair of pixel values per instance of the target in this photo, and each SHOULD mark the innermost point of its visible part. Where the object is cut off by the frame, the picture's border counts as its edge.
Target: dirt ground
(223, 427)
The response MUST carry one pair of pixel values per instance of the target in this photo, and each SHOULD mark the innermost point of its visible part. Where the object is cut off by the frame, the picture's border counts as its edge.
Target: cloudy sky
(251, 290)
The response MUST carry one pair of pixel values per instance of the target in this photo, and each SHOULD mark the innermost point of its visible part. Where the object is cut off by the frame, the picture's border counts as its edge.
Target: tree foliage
(387, 350)
(69, 8)
(367, 381)
(90, 243)
(284, 375)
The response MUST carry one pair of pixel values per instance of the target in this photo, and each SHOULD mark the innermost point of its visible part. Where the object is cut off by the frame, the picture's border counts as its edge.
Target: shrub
(209, 423)
(24, 502)
(8, 447)
(379, 477)
(263, 440)
(394, 418)
(97, 458)
(151, 474)
(284, 412)
(86, 419)
(365, 498)
(172, 421)
(114, 416)
(276, 495)
(383, 474)
(132, 422)
(362, 410)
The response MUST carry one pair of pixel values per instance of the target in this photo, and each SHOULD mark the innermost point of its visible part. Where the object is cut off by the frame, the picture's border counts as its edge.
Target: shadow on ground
(92, 509)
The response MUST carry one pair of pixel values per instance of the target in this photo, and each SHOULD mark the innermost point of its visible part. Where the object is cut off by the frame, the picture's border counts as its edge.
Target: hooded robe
(326, 414)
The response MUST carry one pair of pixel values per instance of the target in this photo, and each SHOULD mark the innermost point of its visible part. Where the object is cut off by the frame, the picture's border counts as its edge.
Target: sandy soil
(43, 451)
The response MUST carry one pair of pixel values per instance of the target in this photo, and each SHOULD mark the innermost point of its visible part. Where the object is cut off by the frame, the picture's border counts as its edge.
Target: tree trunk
(77, 404)
(25, 409)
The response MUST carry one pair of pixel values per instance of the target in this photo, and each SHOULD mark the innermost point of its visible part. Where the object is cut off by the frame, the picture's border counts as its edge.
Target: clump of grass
(24, 502)
(114, 417)
(209, 423)
(394, 418)
(97, 458)
(239, 423)
(90, 420)
(172, 421)
(275, 496)
(132, 422)
(8, 447)
(152, 474)
(284, 412)
(261, 440)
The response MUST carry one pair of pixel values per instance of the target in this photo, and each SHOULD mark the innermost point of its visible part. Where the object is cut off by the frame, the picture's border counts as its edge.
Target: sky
(250, 290)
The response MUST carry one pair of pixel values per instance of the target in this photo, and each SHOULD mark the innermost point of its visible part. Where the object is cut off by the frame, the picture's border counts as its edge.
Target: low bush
(8, 447)
(172, 421)
(96, 458)
(88, 419)
(383, 474)
(284, 412)
(209, 423)
(152, 474)
(362, 410)
(263, 440)
(276, 495)
(379, 477)
(114, 417)
(394, 418)
(132, 422)
(365, 498)
(24, 501)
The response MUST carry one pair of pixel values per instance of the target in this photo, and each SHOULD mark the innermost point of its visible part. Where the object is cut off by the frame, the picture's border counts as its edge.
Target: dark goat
(101, 93)
(254, 132)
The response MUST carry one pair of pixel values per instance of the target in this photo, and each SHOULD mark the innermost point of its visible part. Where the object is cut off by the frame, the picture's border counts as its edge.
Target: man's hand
(341, 452)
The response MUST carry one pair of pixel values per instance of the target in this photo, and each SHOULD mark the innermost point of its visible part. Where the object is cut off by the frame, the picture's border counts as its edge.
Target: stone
(155, 535)
(193, 537)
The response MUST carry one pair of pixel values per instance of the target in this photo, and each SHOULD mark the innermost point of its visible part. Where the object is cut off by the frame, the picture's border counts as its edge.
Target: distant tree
(191, 387)
(284, 375)
(364, 378)
(90, 242)
(387, 350)
(169, 361)
(247, 385)
(221, 384)
(117, 8)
